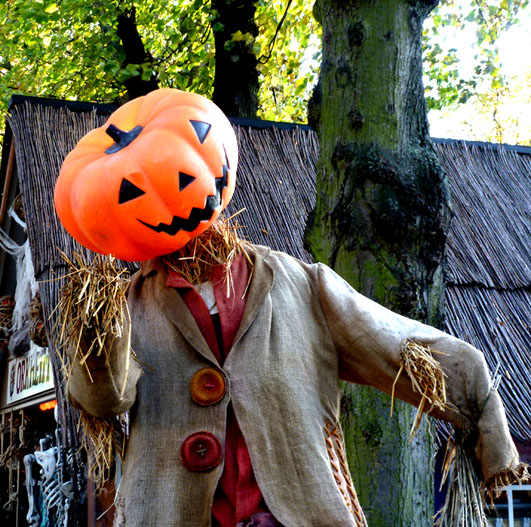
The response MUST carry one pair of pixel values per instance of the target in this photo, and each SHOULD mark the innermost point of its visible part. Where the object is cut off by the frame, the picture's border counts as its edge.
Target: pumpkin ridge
(151, 111)
(125, 117)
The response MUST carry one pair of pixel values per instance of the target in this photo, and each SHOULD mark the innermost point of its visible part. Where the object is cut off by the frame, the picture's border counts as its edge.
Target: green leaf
(52, 8)
(146, 74)
(471, 17)
(28, 13)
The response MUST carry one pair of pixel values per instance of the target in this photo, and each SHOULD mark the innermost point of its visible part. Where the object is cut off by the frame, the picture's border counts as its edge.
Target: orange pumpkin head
(157, 174)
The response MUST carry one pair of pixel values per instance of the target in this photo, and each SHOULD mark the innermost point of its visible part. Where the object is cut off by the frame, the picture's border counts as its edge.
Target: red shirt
(237, 497)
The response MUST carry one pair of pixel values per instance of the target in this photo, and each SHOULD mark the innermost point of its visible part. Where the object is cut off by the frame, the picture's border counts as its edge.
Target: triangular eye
(201, 129)
(184, 180)
(128, 191)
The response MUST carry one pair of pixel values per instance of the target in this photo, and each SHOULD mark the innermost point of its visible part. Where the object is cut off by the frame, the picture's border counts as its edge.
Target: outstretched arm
(370, 339)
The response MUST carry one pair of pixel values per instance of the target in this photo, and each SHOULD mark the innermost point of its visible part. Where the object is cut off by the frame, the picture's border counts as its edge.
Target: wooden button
(201, 452)
(207, 386)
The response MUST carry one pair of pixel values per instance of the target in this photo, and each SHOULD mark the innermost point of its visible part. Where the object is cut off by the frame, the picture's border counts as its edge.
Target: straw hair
(426, 377)
(92, 306)
(218, 245)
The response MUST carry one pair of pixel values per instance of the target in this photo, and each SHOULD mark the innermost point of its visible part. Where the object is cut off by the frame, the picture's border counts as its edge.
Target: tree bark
(135, 53)
(236, 76)
(381, 218)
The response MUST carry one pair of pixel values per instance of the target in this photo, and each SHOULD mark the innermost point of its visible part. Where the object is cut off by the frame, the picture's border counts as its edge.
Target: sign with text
(29, 375)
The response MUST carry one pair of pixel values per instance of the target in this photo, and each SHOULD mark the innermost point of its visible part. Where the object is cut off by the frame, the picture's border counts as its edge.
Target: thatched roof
(488, 286)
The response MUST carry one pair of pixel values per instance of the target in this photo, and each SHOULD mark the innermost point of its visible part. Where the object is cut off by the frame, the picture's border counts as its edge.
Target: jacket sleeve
(105, 385)
(369, 339)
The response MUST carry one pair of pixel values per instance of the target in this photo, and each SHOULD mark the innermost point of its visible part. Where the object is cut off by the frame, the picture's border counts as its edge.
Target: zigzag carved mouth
(196, 215)
(187, 224)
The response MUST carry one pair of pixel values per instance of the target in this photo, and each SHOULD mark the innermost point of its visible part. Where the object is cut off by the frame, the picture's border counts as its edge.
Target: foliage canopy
(70, 49)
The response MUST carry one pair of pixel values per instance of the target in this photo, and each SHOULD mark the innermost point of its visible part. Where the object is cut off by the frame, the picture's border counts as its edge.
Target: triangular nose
(184, 180)
(128, 192)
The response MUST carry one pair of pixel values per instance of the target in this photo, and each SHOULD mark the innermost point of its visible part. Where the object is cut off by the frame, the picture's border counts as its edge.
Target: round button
(201, 451)
(207, 386)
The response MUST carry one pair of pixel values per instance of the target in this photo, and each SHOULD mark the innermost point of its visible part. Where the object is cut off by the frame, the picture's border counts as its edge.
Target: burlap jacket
(303, 329)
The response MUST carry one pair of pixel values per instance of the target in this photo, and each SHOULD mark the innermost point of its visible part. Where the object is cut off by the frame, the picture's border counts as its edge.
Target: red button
(207, 386)
(201, 451)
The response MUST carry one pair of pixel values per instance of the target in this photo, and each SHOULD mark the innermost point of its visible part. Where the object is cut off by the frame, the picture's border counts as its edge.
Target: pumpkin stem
(120, 137)
(115, 132)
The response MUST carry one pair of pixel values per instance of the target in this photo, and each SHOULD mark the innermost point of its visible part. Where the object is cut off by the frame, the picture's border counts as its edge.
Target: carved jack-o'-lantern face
(157, 174)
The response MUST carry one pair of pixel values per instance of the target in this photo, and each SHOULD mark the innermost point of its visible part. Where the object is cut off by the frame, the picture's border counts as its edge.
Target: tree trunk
(381, 218)
(135, 53)
(236, 76)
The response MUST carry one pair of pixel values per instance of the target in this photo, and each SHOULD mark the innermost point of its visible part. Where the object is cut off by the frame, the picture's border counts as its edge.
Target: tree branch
(492, 40)
(263, 59)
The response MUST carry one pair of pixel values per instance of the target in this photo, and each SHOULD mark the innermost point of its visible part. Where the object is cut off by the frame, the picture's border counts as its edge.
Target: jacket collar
(174, 307)
(151, 267)
(262, 280)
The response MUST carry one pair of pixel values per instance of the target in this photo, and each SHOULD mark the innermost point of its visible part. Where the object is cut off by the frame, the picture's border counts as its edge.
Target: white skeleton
(33, 517)
(47, 459)
(56, 497)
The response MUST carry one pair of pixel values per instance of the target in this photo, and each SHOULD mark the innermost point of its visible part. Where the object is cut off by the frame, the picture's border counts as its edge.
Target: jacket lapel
(262, 280)
(174, 307)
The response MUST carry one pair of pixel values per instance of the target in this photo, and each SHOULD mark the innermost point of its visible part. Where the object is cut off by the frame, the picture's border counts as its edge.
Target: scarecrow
(228, 355)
